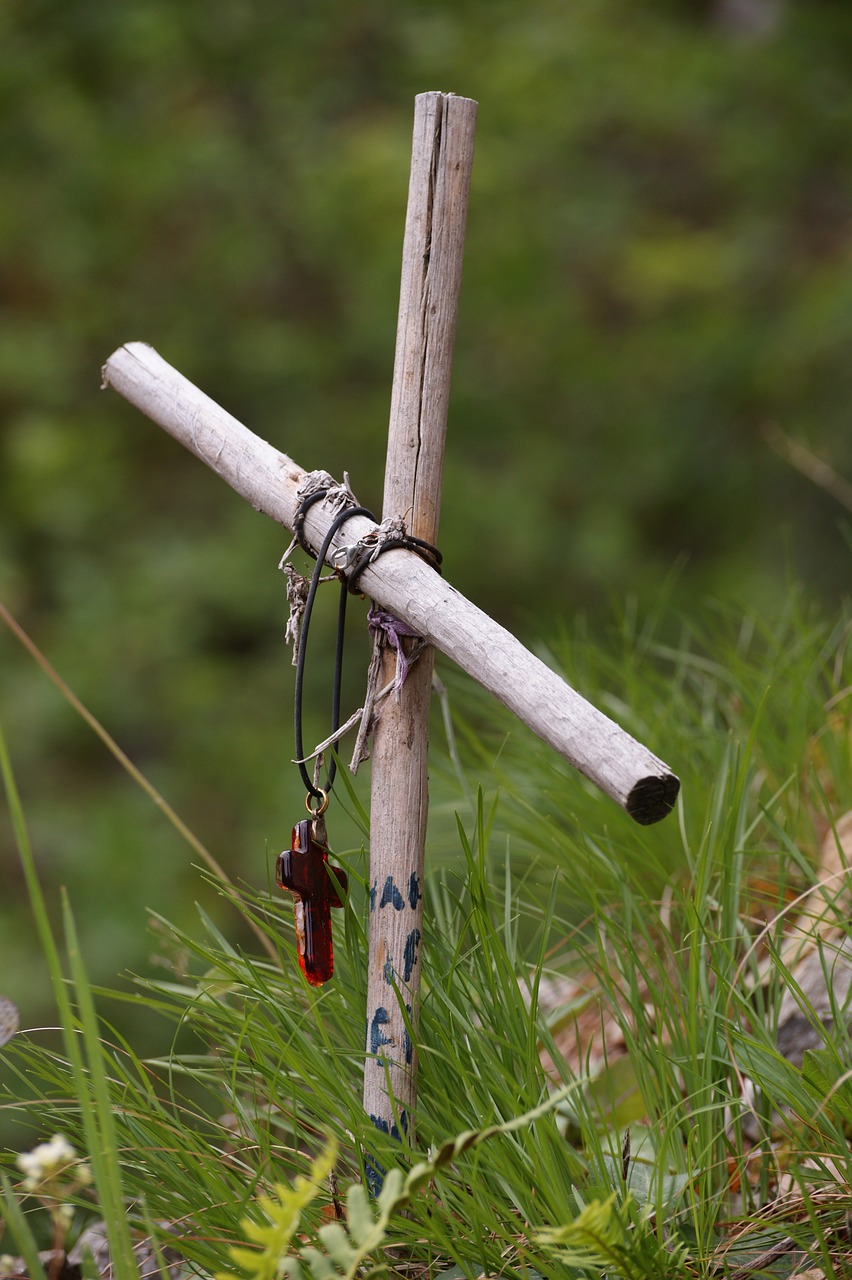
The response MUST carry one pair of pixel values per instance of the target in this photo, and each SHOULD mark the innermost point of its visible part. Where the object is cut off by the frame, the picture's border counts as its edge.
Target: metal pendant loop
(321, 806)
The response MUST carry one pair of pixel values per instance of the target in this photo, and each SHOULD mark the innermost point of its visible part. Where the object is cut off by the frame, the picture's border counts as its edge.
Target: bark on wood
(401, 583)
(441, 161)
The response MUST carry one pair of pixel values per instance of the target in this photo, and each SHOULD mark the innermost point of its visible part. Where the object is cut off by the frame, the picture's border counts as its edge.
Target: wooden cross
(402, 584)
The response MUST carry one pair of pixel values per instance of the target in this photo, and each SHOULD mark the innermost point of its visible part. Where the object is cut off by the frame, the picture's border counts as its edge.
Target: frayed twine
(338, 495)
(387, 632)
(297, 597)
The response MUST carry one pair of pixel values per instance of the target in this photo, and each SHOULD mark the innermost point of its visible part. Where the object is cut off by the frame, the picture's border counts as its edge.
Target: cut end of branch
(651, 799)
(131, 348)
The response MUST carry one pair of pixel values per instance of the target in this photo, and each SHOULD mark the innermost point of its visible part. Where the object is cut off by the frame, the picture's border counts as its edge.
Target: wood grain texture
(441, 162)
(400, 582)
(266, 478)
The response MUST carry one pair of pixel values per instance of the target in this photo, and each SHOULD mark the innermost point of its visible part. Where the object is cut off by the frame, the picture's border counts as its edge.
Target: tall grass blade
(19, 1230)
(88, 1075)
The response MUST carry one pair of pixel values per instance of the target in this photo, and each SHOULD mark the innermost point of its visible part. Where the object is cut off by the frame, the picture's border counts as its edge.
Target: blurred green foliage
(658, 265)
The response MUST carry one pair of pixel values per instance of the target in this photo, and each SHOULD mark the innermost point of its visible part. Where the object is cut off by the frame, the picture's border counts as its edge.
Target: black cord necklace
(304, 869)
(320, 794)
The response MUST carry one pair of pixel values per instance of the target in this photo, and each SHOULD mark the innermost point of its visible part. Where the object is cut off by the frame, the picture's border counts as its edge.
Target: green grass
(86, 1072)
(678, 925)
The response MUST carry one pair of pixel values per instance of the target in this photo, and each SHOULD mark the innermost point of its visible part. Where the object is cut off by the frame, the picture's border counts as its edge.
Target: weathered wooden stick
(400, 582)
(441, 162)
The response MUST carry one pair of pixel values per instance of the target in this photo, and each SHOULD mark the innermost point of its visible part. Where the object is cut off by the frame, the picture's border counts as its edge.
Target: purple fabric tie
(391, 630)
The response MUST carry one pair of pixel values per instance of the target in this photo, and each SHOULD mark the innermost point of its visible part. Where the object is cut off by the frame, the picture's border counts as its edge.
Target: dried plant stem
(127, 764)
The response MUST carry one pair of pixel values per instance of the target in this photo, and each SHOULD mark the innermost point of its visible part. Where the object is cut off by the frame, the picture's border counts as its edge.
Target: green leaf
(336, 1241)
(824, 1076)
(318, 1264)
(359, 1213)
(20, 1231)
(282, 1211)
(616, 1237)
(615, 1092)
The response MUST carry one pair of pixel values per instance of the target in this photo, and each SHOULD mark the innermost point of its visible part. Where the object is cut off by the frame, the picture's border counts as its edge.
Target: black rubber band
(299, 518)
(394, 542)
(420, 547)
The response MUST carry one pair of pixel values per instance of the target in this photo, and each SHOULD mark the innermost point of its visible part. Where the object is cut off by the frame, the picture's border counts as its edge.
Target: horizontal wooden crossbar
(402, 583)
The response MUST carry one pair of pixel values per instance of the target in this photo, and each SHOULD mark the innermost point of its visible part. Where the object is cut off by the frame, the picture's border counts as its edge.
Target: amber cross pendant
(304, 870)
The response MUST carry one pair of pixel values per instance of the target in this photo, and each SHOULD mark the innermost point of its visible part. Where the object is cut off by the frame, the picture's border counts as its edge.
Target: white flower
(46, 1161)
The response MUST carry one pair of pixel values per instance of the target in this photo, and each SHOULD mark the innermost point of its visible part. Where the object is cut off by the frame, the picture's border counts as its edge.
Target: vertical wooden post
(441, 161)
